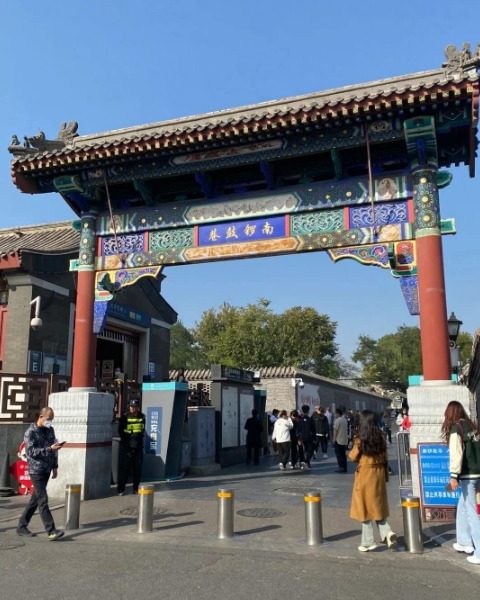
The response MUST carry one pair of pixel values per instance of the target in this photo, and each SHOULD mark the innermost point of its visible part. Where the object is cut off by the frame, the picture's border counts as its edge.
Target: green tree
(254, 336)
(390, 359)
(464, 343)
(184, 350)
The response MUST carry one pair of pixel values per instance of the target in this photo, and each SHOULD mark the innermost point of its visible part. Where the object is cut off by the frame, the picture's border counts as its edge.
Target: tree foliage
(390, 359)
(254, 336)
(184, 351)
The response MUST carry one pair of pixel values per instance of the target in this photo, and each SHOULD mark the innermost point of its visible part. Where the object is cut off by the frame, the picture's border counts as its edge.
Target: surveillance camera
(36, 323)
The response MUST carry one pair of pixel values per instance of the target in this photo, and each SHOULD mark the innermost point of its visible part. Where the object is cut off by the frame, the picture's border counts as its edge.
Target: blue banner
(241, 231)
(434, 475)
(153, 425)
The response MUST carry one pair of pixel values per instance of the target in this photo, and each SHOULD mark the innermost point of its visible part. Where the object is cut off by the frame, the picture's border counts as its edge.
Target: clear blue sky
(114, 63)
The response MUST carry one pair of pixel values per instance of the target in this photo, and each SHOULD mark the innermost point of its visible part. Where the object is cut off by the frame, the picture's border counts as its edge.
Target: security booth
(233, 397)
(164, 405)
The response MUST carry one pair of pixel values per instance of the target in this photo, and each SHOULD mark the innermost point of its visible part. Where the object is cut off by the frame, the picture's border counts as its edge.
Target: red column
(431, 281)
(84, 347)
(433, 309)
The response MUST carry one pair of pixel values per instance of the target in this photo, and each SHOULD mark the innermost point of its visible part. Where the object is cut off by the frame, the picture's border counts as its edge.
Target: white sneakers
(281, 466)
(459, 548)
(474, 560)
(391, 540)
(367, 548)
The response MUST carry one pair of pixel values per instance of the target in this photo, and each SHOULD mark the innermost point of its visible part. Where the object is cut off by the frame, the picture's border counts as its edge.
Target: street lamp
(454, 325)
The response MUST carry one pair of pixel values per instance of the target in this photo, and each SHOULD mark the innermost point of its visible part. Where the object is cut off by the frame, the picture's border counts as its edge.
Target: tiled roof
(197, 375)
(54, 238)
(342, 103)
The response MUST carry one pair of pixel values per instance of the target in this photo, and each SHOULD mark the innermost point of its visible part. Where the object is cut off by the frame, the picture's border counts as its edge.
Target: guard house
(354, 171)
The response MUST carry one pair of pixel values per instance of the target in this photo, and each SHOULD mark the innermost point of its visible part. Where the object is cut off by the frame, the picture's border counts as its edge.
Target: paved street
(268, 557)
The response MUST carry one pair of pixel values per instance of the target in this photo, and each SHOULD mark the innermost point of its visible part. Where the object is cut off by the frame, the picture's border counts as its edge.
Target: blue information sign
(153, 425)
(435, 475)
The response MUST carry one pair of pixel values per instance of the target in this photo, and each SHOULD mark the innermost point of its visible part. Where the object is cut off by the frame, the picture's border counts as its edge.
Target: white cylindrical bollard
(145, 508)
(313, 518)
(73, 492)
(225, 514)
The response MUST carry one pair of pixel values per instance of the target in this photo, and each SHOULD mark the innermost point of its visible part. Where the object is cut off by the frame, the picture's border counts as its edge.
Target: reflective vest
(134, 425)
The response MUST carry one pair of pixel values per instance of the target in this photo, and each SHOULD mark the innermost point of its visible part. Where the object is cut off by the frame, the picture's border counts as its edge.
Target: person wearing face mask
(42, 448)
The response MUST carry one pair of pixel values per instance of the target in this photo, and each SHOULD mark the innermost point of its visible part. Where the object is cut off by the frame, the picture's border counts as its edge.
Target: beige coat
(369, 496)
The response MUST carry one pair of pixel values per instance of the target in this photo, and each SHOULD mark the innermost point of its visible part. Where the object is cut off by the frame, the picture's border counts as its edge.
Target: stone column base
(83, 419)
(427, 404)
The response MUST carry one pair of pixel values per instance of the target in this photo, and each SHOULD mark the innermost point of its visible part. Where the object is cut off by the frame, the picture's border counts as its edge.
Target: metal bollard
(313, 518)
(145, 508)
(412, 524)
(225, 514)
(73, 492)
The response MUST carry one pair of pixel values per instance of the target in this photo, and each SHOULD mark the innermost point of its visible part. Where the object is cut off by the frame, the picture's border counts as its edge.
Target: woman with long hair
(459, 432)
(369, 496)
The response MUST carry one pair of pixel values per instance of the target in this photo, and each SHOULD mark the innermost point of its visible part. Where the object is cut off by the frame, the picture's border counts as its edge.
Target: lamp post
(454, 325)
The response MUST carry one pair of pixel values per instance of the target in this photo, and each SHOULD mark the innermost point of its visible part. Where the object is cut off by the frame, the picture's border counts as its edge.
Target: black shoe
(341, 471)
(122, 493)
(135, 491)
(55, 535)
(25, 532)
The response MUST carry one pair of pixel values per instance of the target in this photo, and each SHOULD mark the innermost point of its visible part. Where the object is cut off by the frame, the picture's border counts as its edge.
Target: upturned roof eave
(346, 95)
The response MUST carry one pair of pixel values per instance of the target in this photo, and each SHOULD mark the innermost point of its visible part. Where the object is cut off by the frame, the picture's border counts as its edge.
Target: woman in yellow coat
(369, 496)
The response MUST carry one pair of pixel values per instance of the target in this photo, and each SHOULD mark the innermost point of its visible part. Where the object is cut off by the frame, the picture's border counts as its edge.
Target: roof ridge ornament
(39, 143)
(462, 59)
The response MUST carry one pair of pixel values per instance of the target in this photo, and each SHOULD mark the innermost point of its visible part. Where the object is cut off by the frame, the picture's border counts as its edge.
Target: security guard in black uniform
(131, 429)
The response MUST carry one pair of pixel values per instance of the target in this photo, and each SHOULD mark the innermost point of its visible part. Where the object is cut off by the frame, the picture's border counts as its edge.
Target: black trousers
(308, 448)
(255, 450)
(322, 441)
(130, 464)
(341, 454)
(39, 499)
(283, 452)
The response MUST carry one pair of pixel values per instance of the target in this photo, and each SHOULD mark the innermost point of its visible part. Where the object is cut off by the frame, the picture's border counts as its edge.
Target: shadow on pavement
(258, 529)
(177, 525)
(343, 536)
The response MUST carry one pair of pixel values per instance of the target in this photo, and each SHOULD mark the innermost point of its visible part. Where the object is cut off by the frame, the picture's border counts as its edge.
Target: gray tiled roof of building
(52, 238)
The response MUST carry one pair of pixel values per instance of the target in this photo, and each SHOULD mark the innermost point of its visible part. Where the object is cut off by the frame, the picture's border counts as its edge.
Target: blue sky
(115, 63)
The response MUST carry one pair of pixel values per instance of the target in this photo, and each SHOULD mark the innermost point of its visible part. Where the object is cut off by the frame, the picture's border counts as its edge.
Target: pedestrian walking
(340, 440)
(271, 424)
(463, 439)
(387, 425)
(131, 429)
(320, 423)
(369, 496)
(330, 419)
(306, 435)
(281, 437)
(41, 447)
(405, 423)
(296, 451)
(254, 430)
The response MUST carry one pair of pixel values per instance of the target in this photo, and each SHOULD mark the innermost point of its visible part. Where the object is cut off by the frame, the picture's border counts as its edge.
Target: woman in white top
(281, 436)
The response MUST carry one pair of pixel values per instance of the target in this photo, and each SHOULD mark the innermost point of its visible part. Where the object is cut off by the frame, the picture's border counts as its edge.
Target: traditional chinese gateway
(354, 171)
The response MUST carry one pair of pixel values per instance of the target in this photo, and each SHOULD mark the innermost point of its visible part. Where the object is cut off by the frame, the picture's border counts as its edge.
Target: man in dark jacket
(131, 429)
(254, 429)
(306, 435)
(41, 448)
(320, 422)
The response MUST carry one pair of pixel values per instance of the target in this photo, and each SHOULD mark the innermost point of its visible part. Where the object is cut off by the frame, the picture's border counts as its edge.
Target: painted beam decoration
(335, 216)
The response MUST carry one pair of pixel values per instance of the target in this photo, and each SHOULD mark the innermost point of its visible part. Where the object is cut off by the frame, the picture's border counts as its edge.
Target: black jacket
(38, 440)
(306, 429)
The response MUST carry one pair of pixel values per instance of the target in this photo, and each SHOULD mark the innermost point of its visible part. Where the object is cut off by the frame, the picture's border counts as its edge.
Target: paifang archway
(353, 171)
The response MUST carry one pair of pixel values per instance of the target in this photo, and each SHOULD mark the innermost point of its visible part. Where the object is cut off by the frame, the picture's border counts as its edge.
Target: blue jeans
(468, 521)
(367, 531)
